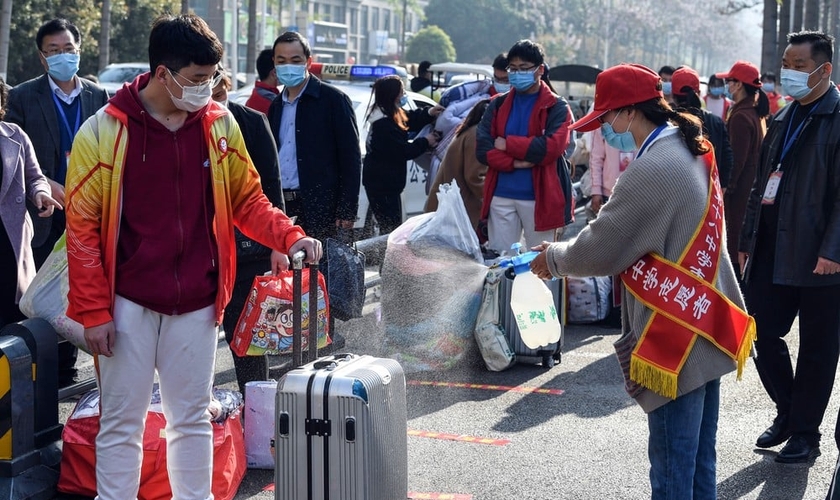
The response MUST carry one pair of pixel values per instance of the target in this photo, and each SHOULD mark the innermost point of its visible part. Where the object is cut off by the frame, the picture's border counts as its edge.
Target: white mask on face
(192, 98)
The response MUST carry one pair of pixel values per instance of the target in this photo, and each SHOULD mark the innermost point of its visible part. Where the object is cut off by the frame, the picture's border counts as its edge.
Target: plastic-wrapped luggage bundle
(432, 279)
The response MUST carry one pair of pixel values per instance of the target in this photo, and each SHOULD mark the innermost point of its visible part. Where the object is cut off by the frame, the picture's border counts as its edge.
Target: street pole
(5, 31)
(402, 44)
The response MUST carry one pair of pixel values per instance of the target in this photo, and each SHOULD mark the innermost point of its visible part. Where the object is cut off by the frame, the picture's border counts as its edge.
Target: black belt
(291, 194)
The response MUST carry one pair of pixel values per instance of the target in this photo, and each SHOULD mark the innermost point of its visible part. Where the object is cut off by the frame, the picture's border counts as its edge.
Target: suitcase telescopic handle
(298, 258)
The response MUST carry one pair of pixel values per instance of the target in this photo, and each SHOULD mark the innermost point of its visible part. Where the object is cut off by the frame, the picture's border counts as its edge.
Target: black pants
(387, 208)
(9, 311)
(314, 226)
(802, 396)
(247, 368)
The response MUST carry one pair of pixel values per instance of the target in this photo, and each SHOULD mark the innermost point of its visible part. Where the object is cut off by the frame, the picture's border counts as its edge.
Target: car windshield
(119, 74)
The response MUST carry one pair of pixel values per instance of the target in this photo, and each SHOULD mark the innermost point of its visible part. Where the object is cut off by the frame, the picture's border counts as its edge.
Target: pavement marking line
(458, 437)
(414, 495)
(487, 387)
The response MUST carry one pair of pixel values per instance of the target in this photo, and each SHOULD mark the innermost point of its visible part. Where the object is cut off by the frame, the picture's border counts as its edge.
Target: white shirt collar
(68, 98)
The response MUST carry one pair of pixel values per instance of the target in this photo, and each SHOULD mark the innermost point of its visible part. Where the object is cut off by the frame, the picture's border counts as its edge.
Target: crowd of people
(744, 236)
(725, 261)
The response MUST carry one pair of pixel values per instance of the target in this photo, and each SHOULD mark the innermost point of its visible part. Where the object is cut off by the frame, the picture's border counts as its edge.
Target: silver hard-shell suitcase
(548, 355)
(341, 430)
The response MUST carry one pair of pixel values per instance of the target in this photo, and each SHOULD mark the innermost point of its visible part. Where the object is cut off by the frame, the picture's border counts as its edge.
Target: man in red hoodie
(151, 256)
(266, 88)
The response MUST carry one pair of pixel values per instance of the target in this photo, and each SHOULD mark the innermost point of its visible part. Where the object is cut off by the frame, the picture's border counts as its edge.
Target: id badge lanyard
(71, 131)
(772, 187)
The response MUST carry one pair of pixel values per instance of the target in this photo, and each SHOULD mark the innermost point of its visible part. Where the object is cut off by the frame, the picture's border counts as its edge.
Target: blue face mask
(666, 88)
(768, 87)
(795, 83)
(716, 91)
(727, 93)
(290, 75)
(63, 67)
(501, 87)
(623, 141)
(522, 81)
(403, 100)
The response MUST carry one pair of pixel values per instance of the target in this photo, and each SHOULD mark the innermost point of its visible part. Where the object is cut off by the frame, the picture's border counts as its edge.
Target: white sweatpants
(183, 350)
(507, 220)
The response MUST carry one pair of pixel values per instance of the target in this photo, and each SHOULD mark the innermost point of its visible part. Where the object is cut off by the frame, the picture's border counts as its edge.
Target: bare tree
(784, 29)
(769, 34)
(105, 35)
(251, 49)
(5, 30)
(812, 14)
(734, 6)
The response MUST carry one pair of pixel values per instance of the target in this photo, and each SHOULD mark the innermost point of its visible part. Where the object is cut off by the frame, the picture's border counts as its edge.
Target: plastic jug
(531, 302)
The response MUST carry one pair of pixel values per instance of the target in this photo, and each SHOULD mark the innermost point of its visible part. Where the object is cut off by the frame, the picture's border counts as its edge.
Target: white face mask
(193, 97)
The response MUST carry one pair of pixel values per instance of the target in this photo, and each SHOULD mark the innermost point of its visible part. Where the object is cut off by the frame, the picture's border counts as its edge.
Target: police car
(356, 81)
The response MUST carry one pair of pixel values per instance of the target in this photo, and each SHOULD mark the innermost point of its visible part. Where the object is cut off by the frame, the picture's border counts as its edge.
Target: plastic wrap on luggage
(430, 301)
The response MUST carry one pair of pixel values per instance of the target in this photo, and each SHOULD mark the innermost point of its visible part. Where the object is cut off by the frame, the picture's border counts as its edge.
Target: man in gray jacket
(50, 109)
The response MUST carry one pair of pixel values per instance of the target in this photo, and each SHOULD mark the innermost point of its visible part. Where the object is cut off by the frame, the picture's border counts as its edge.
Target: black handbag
(344, 271)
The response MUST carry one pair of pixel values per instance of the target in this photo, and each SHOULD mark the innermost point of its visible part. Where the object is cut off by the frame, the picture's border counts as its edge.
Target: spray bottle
(531, 301)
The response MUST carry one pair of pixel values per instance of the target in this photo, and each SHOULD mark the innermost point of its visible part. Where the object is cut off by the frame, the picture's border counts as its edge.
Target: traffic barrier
(42, 341)
(29, 428)
(17, 414)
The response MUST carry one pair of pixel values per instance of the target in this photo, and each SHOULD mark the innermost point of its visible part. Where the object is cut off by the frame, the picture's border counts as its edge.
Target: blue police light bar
(358, 71)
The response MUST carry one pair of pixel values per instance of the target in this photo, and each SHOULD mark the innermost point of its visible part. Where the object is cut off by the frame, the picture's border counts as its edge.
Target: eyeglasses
(55, 52)
(213, 81)
(520, 71)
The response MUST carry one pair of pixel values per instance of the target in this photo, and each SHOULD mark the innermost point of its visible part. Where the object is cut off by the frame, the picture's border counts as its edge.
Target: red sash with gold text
(686, 304)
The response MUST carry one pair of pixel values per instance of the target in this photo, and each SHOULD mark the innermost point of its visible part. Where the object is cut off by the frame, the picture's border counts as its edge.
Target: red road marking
(488, 387)
(456, 437)
(414, 495)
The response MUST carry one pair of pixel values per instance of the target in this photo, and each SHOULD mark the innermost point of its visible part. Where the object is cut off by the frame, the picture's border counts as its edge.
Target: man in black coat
(318, 140)
(252, 258)
(790, 249)
(50, 109)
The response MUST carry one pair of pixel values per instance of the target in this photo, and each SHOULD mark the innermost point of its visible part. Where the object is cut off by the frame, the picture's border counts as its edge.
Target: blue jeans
(681, 446)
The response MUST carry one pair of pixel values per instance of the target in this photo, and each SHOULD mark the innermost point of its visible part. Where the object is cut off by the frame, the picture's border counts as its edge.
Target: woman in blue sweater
(388, 149)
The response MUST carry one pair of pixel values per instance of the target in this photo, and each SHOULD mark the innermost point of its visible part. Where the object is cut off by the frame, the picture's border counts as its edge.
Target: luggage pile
(432, 278)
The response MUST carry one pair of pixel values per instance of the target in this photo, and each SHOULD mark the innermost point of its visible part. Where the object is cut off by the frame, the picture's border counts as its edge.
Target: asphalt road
(584, 443)
(584, 439)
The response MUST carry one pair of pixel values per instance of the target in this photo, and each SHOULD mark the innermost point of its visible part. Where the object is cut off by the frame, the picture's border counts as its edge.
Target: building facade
(340, 31)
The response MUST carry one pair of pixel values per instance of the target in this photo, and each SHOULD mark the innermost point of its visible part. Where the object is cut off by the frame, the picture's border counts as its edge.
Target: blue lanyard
(790, 139)
(653, 135)
(71, 131)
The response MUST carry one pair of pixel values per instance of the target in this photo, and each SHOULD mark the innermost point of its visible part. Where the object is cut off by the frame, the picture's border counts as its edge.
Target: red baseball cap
(618, 87)
(743, 71)
(684, 77)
